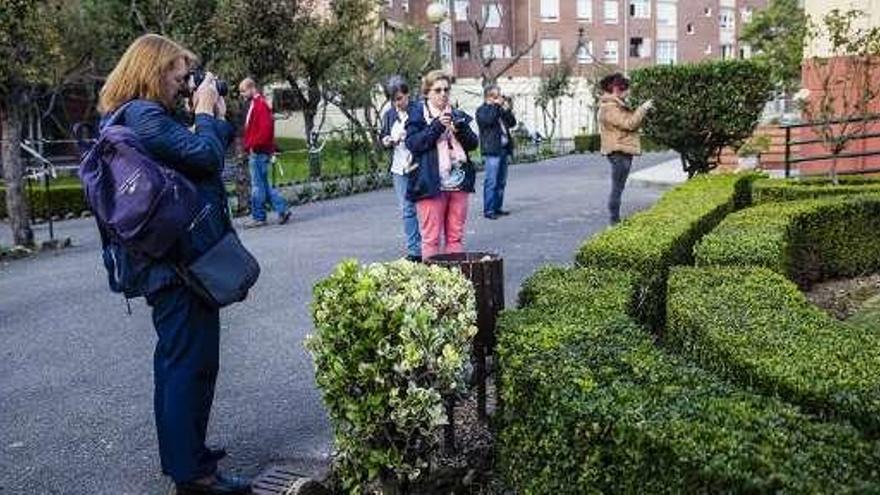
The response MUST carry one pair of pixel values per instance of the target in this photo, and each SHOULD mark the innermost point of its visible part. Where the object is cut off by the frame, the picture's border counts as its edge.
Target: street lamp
(436, 14)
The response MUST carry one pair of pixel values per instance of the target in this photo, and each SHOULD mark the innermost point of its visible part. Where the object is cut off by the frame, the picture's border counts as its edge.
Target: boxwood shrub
(755, 326)
(592, 405)
(66, 198)
(807, 240)
(772, 190)
(649, 242)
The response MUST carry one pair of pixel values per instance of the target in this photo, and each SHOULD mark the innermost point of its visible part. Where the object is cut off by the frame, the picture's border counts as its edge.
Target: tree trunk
(310, 111)
(13, 173)
(834, 179)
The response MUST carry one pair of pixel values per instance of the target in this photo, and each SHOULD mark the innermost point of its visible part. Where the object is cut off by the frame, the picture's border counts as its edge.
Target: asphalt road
(76, 370)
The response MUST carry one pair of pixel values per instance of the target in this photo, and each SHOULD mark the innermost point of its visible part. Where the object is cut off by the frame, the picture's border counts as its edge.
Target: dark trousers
(185, 368)
(620, 166)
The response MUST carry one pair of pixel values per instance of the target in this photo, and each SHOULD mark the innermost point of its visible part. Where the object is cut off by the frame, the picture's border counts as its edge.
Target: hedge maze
(679, 355)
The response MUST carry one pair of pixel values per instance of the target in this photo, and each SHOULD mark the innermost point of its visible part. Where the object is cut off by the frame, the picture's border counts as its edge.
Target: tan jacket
(619, 126)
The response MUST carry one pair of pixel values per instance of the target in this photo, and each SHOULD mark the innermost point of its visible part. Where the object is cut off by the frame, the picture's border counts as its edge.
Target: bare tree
(847, 82)
(493, 66)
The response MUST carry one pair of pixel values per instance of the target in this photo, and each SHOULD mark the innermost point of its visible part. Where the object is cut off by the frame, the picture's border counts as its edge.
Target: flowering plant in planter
(391, 341)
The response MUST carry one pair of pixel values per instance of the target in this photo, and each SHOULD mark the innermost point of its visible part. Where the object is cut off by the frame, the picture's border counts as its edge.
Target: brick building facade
(623, 33)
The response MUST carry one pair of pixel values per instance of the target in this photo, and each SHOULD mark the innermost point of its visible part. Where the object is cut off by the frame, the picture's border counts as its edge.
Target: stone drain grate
(281, 480)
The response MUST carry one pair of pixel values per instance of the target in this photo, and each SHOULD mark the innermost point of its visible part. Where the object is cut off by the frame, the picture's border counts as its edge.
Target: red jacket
(259, 128)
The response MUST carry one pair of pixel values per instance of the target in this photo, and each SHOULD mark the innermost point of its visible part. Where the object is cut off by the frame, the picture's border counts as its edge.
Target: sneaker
(491, 216)
(414, 258)
(502, 213)
(252, 224)
(284, 217)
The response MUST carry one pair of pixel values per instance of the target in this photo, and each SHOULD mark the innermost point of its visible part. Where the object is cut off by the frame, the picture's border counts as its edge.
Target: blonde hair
(141, 71)
(432, 77)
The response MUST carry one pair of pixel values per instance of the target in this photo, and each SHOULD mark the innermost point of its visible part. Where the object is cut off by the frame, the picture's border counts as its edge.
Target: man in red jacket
(259, 142)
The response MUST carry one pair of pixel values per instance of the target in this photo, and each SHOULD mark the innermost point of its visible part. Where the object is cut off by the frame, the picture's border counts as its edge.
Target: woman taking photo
(142, 94)
(440, 138)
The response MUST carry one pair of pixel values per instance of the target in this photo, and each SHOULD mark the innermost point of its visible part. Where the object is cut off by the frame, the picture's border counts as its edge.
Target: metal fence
(790, 144)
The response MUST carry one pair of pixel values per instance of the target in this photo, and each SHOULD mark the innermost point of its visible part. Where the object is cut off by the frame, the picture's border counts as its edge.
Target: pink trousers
(446, 214)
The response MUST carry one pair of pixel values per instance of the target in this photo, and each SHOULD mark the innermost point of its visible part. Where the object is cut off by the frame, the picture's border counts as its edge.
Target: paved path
(76, 372)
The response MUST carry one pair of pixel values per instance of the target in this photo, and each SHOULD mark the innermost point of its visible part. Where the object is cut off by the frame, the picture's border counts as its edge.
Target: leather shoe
(414, 258)
(221, 484)
(502, 213)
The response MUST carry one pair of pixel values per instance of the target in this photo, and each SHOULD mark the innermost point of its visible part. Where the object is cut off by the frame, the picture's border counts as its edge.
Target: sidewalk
(669, 173)
(666, 174)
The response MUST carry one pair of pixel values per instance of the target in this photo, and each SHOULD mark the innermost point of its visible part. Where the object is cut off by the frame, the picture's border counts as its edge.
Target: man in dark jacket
(495, 119)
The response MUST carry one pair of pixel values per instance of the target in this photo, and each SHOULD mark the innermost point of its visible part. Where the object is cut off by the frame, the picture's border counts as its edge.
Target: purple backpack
(142, 204)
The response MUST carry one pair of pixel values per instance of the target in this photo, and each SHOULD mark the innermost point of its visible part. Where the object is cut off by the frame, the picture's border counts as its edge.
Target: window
(636, 47)
(404, 5)
(584, 9)
(667, 14)
(550, 51)
(610, 56)
(640, 9)
(585, 53)
(492, 15)
(707, 12)
(726, 19)
(446, 46)
(463, 49)
(666, 52)
(708, 49)
(726, 52)
(493, 51)
(611, 11)
(549, 10)
(746, 15)
(690, 29)
(745, 51)
(461, 10)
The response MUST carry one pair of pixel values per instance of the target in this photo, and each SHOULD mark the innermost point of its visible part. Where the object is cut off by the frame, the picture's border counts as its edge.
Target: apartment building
(625, 33)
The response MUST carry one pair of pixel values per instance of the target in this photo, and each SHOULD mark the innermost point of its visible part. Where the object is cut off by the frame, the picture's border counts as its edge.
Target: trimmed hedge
(807, 240)
(66, 198)
(754, 326)
(587, 143)
(649, 242)
(592, 405)
(774, 190)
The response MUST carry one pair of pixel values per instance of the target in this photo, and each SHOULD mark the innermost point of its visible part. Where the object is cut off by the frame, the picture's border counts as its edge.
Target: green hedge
(592, 405)
(808, 240)
(755, 326)
(773, 190)
(66, 198)
(650, 242)
(587, 143)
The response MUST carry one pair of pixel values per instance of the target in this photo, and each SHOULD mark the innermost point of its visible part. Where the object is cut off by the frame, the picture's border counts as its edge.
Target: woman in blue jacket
(439, 139)
(145, 87)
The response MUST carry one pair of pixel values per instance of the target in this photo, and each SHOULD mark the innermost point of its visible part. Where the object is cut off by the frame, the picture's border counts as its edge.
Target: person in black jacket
(145, 87)
(439, 138)
(495, 119)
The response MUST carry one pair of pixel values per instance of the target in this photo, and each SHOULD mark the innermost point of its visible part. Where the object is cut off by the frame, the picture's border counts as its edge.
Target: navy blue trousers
(185, 367)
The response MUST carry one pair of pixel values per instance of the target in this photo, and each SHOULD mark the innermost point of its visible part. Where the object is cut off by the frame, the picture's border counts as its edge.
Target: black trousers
(185, 366)
(621, 163)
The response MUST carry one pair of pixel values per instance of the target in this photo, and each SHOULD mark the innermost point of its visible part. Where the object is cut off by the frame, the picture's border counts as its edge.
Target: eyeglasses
(440, 90)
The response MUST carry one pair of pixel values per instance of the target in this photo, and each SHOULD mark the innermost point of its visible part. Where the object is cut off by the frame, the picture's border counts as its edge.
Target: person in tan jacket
(619, 128)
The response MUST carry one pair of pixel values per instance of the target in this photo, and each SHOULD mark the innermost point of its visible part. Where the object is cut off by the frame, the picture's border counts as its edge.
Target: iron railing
(859, 136)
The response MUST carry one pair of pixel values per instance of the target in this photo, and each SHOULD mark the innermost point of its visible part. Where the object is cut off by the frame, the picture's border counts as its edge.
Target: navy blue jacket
(421, 140)
(489, 119)
(388, 120)
(199, 156)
